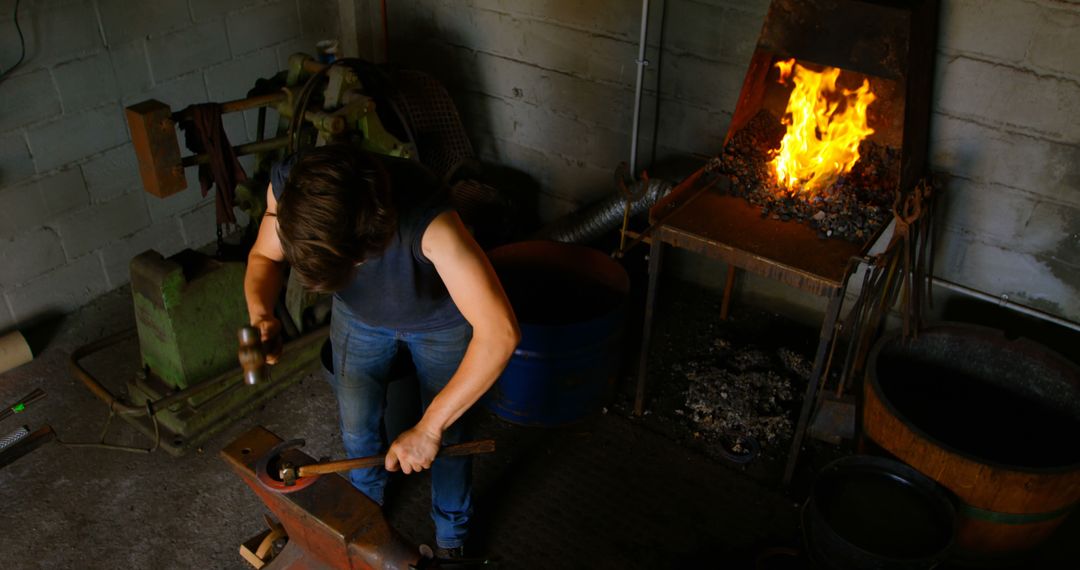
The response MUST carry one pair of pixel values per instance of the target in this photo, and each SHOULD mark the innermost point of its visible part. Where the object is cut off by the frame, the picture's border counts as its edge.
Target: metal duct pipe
(593, 221)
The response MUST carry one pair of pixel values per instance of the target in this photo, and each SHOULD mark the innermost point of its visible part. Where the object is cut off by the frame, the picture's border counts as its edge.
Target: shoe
(456, 553)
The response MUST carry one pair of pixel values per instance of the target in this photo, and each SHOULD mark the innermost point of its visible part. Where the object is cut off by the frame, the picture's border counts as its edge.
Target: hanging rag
(204, 133)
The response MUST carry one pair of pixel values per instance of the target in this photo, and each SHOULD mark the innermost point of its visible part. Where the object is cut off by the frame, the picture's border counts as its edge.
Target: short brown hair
(335, 212)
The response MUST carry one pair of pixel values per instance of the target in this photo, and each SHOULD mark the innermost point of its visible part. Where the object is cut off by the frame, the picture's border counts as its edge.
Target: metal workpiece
(329, 523)
(284, 475)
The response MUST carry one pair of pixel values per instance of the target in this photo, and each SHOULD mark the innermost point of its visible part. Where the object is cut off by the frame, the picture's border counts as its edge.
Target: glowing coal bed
(853, 208)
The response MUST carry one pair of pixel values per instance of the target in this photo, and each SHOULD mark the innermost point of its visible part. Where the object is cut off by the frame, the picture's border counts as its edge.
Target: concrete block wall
(547, 88)
(1006, 132)
(72, 208)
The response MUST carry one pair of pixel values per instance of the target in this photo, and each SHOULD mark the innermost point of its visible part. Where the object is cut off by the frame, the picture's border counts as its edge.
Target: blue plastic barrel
(570, 302)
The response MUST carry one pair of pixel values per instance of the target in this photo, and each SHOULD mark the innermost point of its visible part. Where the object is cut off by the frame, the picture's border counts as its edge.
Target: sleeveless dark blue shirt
(398, 289)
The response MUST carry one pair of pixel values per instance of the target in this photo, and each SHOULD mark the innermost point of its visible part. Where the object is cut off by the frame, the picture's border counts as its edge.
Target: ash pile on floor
(852, 208)
(740, 392)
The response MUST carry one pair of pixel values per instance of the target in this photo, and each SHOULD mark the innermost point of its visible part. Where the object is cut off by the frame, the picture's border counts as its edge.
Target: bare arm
(264, 278)
(476, 291)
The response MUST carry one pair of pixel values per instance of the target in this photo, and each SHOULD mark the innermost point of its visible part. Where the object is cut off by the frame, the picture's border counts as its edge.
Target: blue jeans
(362, 359)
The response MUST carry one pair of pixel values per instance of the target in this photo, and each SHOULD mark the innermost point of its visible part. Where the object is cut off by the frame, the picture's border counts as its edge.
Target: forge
(828, 135)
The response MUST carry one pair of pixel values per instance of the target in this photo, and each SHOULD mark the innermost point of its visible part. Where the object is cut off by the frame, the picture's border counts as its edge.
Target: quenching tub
(993, 420)
(570, 303)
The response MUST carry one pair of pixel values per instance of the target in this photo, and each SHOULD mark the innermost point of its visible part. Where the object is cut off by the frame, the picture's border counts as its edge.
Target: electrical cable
(22, 44)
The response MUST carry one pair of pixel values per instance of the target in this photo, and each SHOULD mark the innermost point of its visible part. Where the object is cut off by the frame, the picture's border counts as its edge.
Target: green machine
(188, 309)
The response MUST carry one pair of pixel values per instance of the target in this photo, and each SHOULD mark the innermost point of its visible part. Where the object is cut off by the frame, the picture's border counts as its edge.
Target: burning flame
(824, 128)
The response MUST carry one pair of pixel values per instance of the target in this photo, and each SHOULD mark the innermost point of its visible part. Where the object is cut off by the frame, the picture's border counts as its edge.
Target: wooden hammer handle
(456, 450)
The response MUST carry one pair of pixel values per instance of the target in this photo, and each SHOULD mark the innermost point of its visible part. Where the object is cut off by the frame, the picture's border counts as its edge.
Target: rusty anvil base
(330, 524)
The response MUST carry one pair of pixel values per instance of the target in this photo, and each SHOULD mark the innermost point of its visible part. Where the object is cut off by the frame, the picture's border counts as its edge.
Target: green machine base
(188, 309)
(194, 420)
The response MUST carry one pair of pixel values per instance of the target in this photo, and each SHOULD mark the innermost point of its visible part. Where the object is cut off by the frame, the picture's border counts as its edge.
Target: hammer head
(288, 473)
(251, 355)
(280, 475)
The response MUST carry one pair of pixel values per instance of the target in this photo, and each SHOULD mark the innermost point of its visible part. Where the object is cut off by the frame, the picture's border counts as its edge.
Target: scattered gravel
(746, 391)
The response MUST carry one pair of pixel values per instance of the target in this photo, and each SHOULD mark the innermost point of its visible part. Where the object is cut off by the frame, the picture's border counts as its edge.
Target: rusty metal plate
(732, 230)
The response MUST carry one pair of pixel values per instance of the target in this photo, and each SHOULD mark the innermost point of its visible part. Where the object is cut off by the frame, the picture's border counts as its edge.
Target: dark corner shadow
(434, 51)
(520, 456)
(40, 331)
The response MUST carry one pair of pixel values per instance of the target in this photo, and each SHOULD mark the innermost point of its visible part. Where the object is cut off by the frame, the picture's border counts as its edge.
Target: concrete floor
(610, 492)
(607, 493)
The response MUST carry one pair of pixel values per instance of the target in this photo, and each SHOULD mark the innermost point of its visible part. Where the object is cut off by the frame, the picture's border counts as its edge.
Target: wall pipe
(1004, 301)
(641, 63)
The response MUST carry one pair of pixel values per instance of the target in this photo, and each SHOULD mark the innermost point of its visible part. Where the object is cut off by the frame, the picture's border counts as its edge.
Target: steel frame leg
(827, 326)
(656, 252)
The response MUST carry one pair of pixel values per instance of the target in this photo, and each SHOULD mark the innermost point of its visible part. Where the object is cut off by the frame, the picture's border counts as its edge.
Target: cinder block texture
(1055, 43)
(1038, 280)
(131, 66)
(187, 49)
(76, 136)
(112, 173)
(1004, 130)
(15, 161)
(990, 28)
(71, 203)
(263, 25)
(163, 237)
(7, 320)
(208, 9)
(90, 229)
(59, 291)
(991, 155)
(1009, 97)
(36, 95)
(32, 204)
(87, 82)
(546, 87)
(232, 79)
(30, 255)
(200, 224)
(124, 20)
(54, 31)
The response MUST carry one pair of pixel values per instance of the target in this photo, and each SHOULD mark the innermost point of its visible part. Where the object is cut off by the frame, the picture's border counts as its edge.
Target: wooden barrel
(993, 420)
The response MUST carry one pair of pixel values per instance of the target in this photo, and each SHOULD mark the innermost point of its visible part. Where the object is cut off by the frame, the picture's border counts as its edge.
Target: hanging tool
(283, 475)
(20, 406)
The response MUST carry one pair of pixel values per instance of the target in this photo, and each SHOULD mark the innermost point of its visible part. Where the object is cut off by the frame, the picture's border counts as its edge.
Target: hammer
(252, 356)
(290, 474)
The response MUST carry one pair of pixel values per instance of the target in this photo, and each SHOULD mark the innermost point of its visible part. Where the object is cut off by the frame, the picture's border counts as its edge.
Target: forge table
(698, 216)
